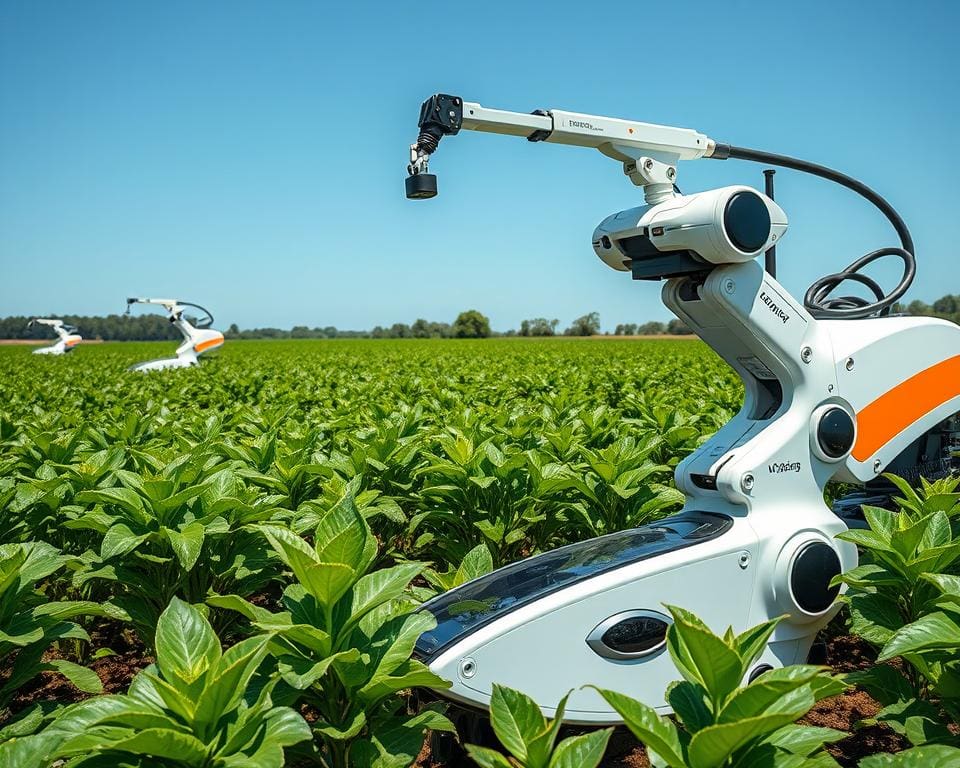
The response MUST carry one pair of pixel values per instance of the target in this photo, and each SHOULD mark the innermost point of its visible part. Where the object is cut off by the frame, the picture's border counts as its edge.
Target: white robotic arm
(68, 337)
(824, 400)
(649, 152)
(197, 338)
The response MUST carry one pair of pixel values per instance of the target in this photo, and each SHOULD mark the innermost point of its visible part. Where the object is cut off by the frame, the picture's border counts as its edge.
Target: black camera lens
(422, 186)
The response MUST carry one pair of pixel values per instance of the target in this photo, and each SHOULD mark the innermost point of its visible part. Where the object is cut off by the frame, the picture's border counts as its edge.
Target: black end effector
(440, 115)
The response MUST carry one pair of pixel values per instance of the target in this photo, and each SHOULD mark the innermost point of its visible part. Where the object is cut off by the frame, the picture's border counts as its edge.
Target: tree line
(470, 324)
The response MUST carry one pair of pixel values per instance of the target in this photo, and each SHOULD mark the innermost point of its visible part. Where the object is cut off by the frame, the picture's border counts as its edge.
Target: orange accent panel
(891, 413)
(207, 344)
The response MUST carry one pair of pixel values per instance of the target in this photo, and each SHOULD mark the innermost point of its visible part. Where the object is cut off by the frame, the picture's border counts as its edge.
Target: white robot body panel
(825, 399)
(68, 339)
(762, 473)
(196, 341)
(698, 223)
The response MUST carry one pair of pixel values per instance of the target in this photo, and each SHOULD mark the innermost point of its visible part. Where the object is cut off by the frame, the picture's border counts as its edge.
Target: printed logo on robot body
(582, 124)
(780, 467)
(774, 307)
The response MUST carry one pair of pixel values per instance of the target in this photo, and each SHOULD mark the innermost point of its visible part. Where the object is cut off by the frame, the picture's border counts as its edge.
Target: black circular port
(746, 221)
(835, 433)
(421, 186)
(813, 568)
(605, 242)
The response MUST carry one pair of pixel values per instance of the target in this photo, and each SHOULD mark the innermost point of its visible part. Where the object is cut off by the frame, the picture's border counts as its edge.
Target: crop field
(218, 566)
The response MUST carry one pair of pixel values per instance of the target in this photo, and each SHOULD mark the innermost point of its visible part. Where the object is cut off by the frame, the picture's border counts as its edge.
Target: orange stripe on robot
(201, 346)
(891, 413)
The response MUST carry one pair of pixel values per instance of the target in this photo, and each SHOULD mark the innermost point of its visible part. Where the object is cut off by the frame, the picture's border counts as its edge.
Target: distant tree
(588, 325)
(652, 328)
(399, 331)
(233, 330)
(625, 329)
(677, 327)
(471, 325)
(420, 329)
(538, 326)
(301, 332)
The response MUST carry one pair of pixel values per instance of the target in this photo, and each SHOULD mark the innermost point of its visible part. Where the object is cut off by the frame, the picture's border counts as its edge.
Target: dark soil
(115, 671)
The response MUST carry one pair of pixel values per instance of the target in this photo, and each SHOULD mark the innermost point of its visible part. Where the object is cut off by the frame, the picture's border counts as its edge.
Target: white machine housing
(825, 399)
(196, 341)
(67, 341)
(699, 223)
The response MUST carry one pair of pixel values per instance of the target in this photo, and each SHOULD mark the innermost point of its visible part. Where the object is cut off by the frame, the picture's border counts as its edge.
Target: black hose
(205, 322)
(816, 299)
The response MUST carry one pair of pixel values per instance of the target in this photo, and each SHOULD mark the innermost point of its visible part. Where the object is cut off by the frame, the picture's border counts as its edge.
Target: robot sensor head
(690, 233)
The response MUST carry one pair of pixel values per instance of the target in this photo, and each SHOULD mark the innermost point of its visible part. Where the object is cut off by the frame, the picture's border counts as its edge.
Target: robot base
(592, 612)
(181, 361)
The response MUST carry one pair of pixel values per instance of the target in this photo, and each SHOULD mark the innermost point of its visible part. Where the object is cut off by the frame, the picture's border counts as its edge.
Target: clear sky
(250, 156)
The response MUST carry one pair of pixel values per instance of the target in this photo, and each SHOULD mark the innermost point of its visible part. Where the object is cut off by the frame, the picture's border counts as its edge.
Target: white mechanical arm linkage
(196, 338)
(69, 338)
(836, 389)
(649, 152)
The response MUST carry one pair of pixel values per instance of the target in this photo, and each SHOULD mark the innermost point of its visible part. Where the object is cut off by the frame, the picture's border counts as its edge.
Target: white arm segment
(581, 130)
(649, 152)
(169, 304)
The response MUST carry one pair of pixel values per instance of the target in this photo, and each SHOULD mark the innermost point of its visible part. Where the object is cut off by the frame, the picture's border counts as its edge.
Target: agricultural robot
(838, 388)
(197, 339)
(68, 336)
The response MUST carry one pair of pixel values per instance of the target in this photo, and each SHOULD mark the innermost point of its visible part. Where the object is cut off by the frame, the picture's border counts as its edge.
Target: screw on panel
(806, 354)
(877, 464)
(849, 364)
(671, 173)
(747, 482)
(744, 560)
(468, 668)
(648, 164)
(729, 286)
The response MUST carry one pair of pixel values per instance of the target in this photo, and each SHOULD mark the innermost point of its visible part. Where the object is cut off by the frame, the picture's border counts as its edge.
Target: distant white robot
(197, 339)
(69, 338)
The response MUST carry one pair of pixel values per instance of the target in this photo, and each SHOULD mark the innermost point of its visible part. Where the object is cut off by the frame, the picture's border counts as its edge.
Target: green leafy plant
(903, 601)
(30, 624)
(721, 722)
(195, 707)
(888, 589)
(345, 640)
(476, 563)
(182, 532)
(531, 739)
(923, 697)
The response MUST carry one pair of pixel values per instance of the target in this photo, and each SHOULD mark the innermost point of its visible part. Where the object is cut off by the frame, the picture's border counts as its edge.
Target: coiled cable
(817, 299)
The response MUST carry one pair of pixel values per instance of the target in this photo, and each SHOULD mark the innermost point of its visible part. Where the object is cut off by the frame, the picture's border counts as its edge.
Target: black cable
(817, 298)
(207, 321)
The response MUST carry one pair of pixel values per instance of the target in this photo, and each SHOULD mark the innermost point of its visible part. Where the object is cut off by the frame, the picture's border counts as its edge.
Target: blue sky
(250, 156)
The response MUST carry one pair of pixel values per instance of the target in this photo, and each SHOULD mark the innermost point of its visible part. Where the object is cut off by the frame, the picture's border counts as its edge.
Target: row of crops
(254, 534)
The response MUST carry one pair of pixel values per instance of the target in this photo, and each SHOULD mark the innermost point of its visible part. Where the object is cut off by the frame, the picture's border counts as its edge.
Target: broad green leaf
(187, 543)
(516, 720)
(119, 541)
(186, 645)
(658, 733)
(584, 751)
(488, 758)
(711, 746)
(702, 657)
(84, 679)
(935, 631)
